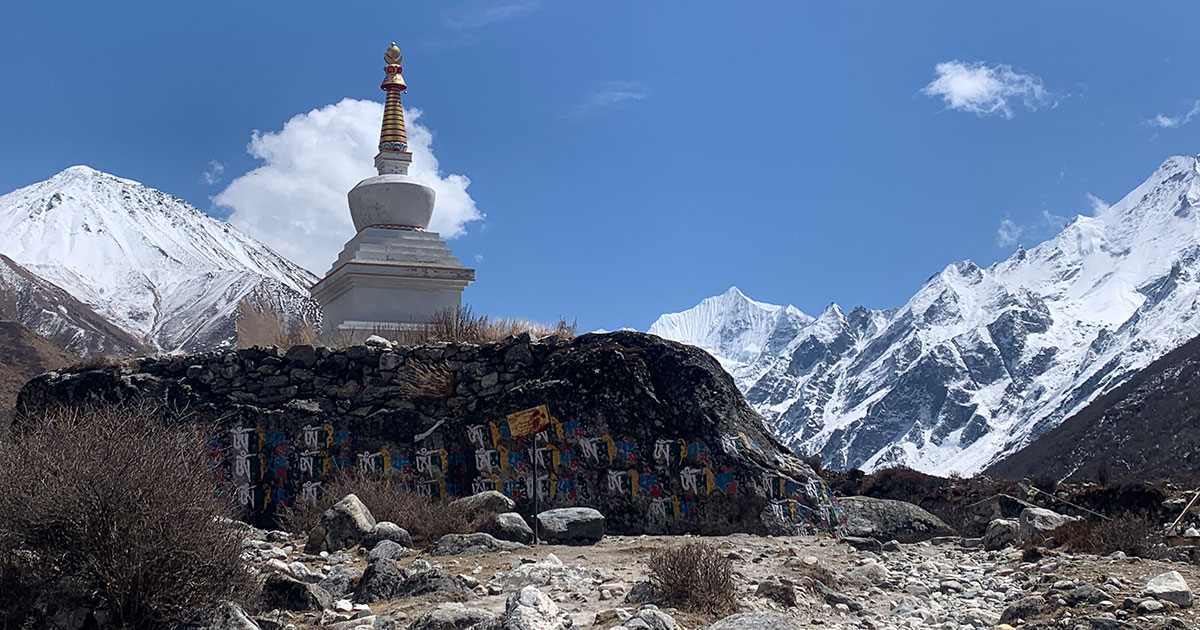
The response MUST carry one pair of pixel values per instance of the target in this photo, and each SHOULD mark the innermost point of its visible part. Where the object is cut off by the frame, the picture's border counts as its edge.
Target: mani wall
(651, 432)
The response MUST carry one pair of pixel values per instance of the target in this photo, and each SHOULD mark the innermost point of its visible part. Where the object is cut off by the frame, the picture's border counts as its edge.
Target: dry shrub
(112, 510)
(1134, 534)
(695, 577)
(259, 326)
(429, 381)
(461, 325)
(818, 573)
(425, 519)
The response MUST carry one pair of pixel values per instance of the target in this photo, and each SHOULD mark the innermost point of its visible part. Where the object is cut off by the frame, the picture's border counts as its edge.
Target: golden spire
(393, 142)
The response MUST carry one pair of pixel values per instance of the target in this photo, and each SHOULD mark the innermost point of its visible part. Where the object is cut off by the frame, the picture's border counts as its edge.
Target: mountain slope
(23, 355)
(1144, 429)
(981, 361)
(149, 263)
(54, 314)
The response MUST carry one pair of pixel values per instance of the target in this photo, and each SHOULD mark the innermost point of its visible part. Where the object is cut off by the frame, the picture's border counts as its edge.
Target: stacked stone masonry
(651, 432)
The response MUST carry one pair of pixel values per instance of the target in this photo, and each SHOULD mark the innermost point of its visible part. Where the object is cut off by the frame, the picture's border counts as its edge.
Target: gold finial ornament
(392, 54)
(393, 141)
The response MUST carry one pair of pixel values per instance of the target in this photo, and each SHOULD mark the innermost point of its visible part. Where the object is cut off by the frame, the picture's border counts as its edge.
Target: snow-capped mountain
(149, 263)
(980, 361)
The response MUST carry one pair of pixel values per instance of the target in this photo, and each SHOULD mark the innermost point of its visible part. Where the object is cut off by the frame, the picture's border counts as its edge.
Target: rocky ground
(947, 583)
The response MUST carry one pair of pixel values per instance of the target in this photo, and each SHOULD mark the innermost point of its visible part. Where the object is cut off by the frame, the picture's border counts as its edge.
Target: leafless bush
(431, 381)
(1133, 534)
(695, 577)
(112, 510)
(425, 519)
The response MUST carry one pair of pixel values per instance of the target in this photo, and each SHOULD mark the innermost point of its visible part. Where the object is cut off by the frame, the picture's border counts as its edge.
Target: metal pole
(535, 490)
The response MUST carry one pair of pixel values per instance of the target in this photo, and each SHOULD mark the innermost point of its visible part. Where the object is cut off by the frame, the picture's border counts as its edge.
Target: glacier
(980, 361)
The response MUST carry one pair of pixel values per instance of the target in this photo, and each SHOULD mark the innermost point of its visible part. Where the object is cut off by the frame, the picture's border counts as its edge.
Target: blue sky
(632, 158)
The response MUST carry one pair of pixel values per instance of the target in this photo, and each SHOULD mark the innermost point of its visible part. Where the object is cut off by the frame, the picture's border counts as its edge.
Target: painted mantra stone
(671, 477)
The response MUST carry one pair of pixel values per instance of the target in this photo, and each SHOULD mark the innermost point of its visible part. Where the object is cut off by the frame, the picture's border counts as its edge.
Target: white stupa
(393, 274)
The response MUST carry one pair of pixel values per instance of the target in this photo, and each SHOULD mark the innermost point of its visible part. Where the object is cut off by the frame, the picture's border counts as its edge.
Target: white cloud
(611, 95)
(213, 174)
(1168, 122)
(983, 89)
(482, 15)
(1099, 206)
(1008, 233)
(478, 258)
(296, 201)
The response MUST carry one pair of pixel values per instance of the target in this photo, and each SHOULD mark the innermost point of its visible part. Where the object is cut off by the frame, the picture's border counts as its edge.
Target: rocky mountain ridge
(155, 272)
(979, 362)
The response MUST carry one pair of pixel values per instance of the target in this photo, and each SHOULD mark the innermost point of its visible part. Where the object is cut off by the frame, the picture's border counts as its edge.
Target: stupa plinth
(394, 274)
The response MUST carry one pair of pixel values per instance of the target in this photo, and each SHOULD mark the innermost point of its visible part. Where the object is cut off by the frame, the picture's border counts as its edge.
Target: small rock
(756, 621)
(781, 592)
(1171, 587)
(287, 593)
(387, 530)
(471, 544)
(487, 501)
(508, 526)
(450, 616)
(386, 549)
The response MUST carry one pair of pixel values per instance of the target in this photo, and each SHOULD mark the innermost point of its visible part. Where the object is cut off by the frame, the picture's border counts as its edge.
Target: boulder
(508, 526)
(885, 520)
(1170, 587)
(228, 616)
(780, 591)
(451, 616)
(488, 501)
(1000, 533)
(548, 571)
(756, 621)
(386, 549)
(382, 580)
(531, 609)
(387, 530)
(656, 619)
(579, 525)
(1039, 522)
(287, 593)
(471, 544)
(1023, 608)
(342, 526)
(387, 579)
(341, 580)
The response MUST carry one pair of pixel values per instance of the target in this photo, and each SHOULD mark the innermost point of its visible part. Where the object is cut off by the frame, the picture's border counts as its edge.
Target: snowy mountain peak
(979, 361)
(149, 262)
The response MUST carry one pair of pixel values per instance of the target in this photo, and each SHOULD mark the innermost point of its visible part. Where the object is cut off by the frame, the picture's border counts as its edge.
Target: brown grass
(257, 326)
(426, 520)
(695, 577)
(112, 509)
(1133, 534)
(461, 325)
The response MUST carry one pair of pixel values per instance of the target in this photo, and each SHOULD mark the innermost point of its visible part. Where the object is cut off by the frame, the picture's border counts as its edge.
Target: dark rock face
(885, 519)
(652, 433)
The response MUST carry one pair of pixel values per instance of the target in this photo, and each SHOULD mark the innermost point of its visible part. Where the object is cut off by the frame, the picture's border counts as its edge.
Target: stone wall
(651, 432)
